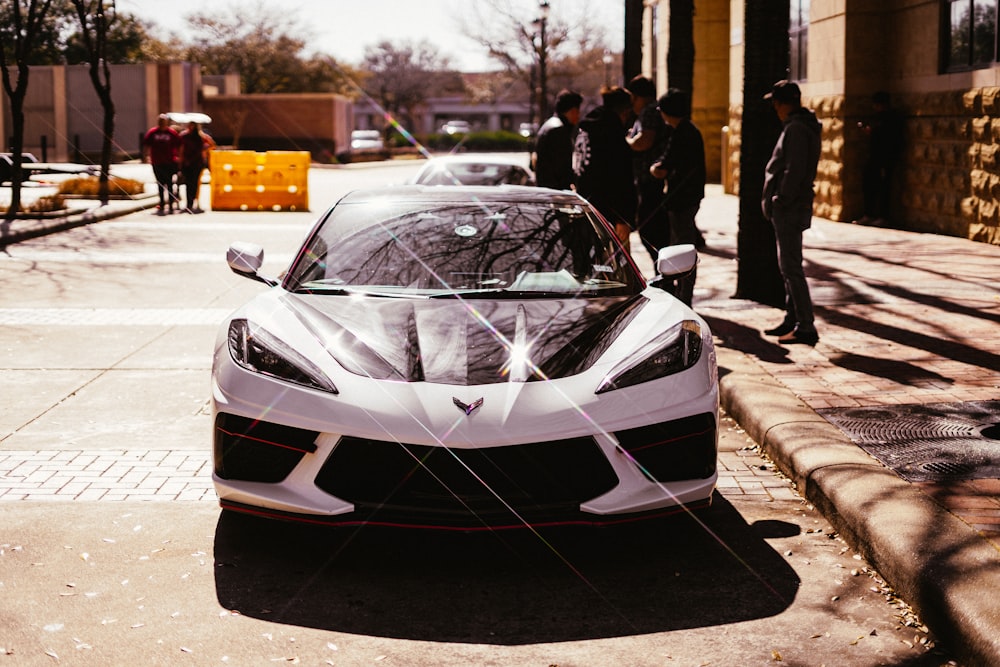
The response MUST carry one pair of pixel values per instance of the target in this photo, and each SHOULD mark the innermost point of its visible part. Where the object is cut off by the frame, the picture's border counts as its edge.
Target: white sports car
(464, 357)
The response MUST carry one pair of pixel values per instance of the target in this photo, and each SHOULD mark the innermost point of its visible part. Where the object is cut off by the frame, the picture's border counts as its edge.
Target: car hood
(464, 342)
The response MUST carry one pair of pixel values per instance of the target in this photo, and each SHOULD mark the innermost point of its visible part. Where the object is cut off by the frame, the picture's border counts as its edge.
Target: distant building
(488, 101)
(63, 114)
(320, 123)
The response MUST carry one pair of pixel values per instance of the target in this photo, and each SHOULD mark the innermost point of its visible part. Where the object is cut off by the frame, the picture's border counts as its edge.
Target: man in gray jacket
(787, 202)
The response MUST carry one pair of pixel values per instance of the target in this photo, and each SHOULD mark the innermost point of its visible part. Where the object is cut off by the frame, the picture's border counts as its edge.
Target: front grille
(676, 450)
(531, 480)
(255, 451)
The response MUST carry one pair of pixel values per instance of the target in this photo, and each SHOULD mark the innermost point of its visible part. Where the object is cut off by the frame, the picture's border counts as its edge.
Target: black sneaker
(803, 337)
(780, 330)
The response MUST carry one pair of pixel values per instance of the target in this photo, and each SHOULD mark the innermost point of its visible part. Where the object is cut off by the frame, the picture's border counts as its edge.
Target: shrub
(46, 204)
(41, 205)
(501, 140)
(89, 186)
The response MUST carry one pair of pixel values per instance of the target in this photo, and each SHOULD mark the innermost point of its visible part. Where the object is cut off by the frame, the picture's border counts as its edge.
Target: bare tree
(260, 43)
(527, 41)
(96, 18)
(235, 116)
(128, 41)
(403, 75)
(19, 40)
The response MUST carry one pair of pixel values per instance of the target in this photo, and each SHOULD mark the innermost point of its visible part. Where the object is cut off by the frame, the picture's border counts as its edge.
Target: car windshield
(474, 250)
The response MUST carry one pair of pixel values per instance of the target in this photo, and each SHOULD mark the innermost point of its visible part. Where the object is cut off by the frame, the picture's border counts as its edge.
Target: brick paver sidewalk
(904, 319)
(114, 474)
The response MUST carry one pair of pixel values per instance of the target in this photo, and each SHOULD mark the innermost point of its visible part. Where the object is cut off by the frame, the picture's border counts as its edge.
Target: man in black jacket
(682, 166)
(787, 202)
(602, 161)
(647, 138)
(554, 143)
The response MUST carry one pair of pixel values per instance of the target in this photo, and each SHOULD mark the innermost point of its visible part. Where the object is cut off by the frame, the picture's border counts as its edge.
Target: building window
(798, 35)
(972, 35)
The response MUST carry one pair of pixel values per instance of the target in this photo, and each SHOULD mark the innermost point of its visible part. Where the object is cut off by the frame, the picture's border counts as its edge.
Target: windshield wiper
(501, 293)
(338, 289)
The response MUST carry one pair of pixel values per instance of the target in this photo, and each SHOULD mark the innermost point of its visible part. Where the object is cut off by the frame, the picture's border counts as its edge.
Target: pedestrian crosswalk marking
(112, 316)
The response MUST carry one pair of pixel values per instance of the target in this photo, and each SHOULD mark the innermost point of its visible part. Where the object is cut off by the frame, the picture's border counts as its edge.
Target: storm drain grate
(927, 443)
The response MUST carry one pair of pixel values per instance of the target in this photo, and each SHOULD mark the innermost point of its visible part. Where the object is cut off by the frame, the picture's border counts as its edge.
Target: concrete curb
(933, 560)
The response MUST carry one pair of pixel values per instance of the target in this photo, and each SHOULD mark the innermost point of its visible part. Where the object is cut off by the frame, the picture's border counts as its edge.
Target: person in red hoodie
(159, 148)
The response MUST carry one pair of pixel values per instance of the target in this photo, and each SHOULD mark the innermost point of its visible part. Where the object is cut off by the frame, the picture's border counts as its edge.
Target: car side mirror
(676, 260)
(246, 259)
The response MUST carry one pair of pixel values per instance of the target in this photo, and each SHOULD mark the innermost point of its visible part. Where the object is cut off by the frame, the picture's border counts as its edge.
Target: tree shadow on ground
(891, 369)
(747, 340)
(948, 349)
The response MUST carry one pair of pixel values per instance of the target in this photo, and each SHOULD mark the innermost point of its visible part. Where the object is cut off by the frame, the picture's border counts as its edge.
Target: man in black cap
(682, 166)
(787, 202)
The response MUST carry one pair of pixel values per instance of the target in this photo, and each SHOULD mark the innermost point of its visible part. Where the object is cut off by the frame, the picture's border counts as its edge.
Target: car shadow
(707, 569)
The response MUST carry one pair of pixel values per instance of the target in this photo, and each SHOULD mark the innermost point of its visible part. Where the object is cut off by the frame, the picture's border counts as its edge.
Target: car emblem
(468, 408)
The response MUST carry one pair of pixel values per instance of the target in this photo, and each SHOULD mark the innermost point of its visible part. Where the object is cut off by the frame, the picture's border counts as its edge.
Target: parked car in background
(456, 127)
(527, 130)
(367, 141)
(463, 357)
(474, 169)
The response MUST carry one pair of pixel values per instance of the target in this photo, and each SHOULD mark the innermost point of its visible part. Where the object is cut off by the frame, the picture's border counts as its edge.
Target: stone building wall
(948, 180)
(733, 134)
(831, 172)
(829, 202)
(710, 122)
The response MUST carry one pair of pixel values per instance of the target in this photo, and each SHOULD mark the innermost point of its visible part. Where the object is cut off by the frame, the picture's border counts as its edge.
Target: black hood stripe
(465, 342)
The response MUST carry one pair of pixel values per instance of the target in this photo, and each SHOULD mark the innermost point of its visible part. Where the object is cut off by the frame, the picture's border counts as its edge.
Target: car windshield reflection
(523, 250)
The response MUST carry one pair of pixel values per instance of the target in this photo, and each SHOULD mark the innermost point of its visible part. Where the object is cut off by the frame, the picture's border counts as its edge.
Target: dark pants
(788, 228)
(164, 174)
(683, 230)
(877, 187)
(192, 184)
(651, 218)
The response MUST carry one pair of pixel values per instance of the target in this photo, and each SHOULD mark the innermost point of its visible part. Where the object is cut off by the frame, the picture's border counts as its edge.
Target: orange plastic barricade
(251, 181)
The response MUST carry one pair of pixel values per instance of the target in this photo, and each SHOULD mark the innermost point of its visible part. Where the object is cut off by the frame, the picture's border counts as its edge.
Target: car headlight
(260, 351)
(676, 349)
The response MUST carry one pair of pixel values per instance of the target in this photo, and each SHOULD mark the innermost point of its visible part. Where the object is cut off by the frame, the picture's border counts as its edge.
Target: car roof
(436, 194)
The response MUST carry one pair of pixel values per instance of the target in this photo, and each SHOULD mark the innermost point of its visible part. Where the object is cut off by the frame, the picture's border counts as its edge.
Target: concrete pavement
(904, 319)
